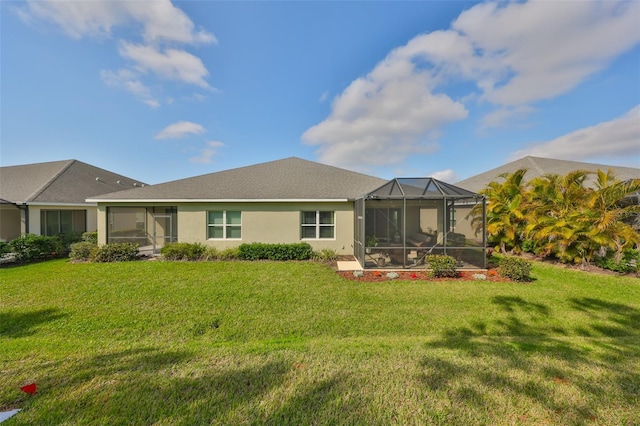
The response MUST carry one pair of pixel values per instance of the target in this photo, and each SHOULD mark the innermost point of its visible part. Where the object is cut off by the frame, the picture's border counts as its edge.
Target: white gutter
(88, 203)
(230, 200)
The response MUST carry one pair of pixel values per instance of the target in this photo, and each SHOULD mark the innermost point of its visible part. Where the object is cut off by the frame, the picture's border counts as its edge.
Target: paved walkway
(351, 265)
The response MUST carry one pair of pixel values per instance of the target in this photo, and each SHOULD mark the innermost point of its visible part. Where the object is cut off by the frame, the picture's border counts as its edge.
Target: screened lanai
(406, 219)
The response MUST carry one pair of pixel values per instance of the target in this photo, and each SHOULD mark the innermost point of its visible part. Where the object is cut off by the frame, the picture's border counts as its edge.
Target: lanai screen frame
(407, 250)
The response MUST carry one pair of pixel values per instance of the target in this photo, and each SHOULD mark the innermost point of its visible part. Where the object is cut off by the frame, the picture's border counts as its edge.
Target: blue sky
(159, 91)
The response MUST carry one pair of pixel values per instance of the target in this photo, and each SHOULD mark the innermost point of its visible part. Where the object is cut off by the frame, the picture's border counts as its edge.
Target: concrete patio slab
(351, 265)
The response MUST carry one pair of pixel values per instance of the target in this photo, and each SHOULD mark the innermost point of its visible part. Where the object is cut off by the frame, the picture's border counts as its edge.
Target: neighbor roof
(538, 166)
(58, 182)
(281, 180)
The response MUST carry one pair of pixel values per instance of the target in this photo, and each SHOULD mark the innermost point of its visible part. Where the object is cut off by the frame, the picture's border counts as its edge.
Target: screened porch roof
(419, 188)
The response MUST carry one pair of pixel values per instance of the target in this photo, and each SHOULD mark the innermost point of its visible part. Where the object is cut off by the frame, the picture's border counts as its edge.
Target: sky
(161, 90)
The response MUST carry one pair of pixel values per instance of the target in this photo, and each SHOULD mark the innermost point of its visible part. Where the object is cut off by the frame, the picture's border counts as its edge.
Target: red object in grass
(30, 388)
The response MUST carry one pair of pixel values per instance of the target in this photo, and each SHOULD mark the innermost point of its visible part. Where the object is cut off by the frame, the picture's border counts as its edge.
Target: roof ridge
(50, 181)
(533, 162)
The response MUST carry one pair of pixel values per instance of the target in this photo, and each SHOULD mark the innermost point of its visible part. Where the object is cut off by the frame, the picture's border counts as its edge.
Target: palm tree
(573, 222)
(609, 212)
(558, 223)
(506, 206)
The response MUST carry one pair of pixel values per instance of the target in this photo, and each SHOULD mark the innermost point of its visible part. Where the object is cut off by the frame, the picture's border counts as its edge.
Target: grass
(172, 343)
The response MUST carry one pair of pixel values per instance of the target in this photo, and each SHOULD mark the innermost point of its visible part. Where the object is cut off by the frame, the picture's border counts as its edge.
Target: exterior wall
(10, 222)
(13, 220)
(34, 216)
(101, 217)
(266, 222)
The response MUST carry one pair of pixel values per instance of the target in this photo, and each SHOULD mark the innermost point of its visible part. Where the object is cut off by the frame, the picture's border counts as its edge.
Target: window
(318, 225)
(54, 222)
(224, 225)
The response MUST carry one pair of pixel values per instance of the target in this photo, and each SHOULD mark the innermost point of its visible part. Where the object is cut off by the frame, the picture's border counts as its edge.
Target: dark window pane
(308, 232)
(234, 232)
(308, 218)
(326, 231)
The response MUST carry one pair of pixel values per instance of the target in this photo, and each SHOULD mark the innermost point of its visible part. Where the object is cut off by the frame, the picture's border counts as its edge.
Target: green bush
(210, 253)
(67, 239)
(183, 251)
(4, 248)
(442, 265)
(82, 250)
(628, 262)
(278, 252)
(515, 268)
(230, 253)
(325, 255)
(91, 237)
(32, 247)
(117, 252)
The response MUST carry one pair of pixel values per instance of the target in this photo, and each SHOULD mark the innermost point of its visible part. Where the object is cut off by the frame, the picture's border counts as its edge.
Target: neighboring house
(49, 198)
(288, 201)
(537, 166)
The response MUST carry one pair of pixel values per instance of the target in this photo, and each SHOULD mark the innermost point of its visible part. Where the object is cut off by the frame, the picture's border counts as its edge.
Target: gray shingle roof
(538, 166)
(68, 181)
(287, 179)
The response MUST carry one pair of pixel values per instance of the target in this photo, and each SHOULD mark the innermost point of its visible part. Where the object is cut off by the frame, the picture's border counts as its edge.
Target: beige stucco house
(284, 201)
(50, 198)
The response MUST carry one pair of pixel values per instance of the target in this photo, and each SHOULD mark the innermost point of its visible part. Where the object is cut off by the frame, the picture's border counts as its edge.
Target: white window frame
(224, 225)
(317, 225)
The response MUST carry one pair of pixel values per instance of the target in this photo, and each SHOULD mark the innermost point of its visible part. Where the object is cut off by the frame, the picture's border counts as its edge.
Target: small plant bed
(422, 275)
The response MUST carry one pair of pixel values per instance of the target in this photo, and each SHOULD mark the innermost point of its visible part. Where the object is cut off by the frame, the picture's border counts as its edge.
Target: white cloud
(161, 21)
(180, 129)
(515, 53)
(537, 50)
(160, 24)
(129, 80)
(616, 138)
(447, 175)
(384, 117)
(172, 64)
(206, 154)
(505, 116)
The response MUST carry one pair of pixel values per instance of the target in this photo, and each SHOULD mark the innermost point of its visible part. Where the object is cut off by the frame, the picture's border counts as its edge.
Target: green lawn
(293, 343)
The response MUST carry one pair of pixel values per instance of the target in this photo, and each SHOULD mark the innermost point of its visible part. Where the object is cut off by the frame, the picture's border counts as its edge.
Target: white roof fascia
(231, 200)
(48, 204)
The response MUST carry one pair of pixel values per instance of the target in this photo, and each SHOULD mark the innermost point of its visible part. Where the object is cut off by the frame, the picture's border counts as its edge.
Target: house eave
(221, 200)
(49, 204)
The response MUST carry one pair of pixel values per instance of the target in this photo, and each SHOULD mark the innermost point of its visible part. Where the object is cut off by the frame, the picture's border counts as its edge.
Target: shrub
(392, 275)
(442, 265)
(68, 238)
(91, 237)
(230, 253)
(325, 255)
(628, 262)
(183, 251)
(32, 247)
(210, 253)
(279, 252)
(515, 268)
(4, 248)
(117, 252)
(82, 250)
